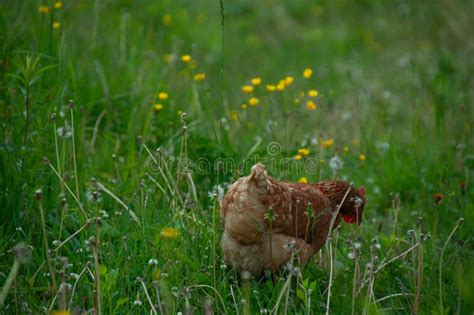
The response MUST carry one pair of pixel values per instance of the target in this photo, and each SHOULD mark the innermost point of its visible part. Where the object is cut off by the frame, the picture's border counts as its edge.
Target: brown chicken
(266, 221)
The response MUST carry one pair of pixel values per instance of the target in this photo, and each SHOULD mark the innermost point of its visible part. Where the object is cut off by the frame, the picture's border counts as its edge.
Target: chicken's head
(353, 206)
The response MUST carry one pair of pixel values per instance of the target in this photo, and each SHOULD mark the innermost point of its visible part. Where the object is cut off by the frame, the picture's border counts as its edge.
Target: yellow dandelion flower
(304, 151)
(298, 157)
(43, 9)
(234, 116)
(303, 180)
(280, 86)
(313, 93)
(167, 19)
(169, 232)
(163, 96)
(270, 87)
(158, 107)
(327, 143)
(247, 89)
(62, 312)
(256, 81)
(56, 25)
(244, 106)
(185, 58)
(199, 76)
(362, 157)
(307, 73)
(58, 5)
(311, 105)
(289, 80)
(346, 149)
(253, 101)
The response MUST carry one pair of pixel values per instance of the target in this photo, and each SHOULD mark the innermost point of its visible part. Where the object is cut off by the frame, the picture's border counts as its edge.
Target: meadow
(123, 123)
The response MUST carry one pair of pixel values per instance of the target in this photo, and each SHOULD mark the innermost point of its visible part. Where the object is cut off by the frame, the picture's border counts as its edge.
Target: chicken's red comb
(362, 191)
(349, 218)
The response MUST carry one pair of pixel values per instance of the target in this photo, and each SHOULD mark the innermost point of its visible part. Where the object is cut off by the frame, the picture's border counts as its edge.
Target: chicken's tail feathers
(258, 176)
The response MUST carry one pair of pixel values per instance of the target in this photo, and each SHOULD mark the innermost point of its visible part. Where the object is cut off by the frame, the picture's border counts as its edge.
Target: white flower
(64, 131)
(352, 255)
(217, 191)
(153, 262)
(346, 116)
(245, 275)
(357, 245)
(137, 302)
(74, 275)
(103, 214)
(336, 163)
(382, 146)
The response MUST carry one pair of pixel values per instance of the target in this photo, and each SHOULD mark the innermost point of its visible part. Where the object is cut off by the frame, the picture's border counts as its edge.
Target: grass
(115, 225)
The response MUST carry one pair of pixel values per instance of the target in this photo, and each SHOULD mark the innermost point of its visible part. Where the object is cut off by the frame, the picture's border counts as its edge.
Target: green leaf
(119, 303)
(300, 294)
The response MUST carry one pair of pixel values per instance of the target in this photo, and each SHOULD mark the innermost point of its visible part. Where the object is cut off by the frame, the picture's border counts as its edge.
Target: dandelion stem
(153, 309)
(76, 179)
(440, 274)
(95, 249)
(58, 161)
(354, 284)
(162, 173)
(88, 222)
(111, 194)
(383, 265)
(8, 283)
(419, 274)
(214, 241)
(214, 289)
(75, 285)
(328, 301)
(46, 247)
(69, 190)
(286, 286)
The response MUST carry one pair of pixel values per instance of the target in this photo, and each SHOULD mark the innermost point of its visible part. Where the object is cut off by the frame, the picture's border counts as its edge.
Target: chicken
(267, 221)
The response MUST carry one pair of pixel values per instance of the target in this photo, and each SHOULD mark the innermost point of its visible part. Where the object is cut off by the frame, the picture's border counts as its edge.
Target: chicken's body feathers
(300, 221)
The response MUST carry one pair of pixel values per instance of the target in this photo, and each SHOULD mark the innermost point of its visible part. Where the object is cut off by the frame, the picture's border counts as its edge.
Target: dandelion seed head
(336, 164)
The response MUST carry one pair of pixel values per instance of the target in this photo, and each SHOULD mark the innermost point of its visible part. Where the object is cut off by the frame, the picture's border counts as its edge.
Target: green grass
(395, 84)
